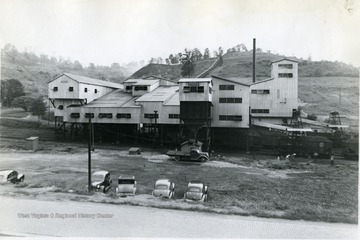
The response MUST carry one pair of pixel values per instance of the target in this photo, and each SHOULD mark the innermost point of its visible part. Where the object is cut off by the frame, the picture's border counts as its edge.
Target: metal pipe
(89, 156)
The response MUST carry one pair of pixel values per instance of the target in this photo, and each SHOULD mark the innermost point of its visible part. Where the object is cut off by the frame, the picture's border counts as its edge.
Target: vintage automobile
(196, 191)
(11, 176)
(101, 181)
(164, 188)
(126, 185)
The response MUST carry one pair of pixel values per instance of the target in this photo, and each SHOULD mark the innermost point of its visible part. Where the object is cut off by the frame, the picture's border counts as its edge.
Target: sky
(108, 31)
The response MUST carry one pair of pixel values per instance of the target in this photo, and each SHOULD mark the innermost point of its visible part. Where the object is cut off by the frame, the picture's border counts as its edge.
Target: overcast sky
(121, 31)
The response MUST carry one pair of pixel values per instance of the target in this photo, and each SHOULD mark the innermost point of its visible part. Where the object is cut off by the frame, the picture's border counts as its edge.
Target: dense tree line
(13, 95)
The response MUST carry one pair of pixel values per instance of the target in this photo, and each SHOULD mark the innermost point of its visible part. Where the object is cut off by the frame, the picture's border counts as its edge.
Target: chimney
(254, 51)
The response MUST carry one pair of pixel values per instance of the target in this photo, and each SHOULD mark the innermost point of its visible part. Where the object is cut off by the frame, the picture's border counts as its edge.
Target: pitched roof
(282, 59)
(195, 80)
(237, 81)
(264, 80)
(142, 82)
(116, 98)
(160, 94)
(92, 81)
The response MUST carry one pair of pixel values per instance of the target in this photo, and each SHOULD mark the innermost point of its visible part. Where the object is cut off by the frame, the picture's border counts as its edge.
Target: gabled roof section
(231, 80)
(141, 82)
(194, 80)
(160, 94)
(283, 59)
(261, 81)
(92, 81)
(116, 98)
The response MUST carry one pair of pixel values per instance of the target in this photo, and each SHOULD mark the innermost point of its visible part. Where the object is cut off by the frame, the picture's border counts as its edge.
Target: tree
(167, 61)
(77, 65)
(206, 54)
(115, 67)
(24, 102)
(11, 89)
(187, 59)
(196, 54)
(92, 67)
(38, 107)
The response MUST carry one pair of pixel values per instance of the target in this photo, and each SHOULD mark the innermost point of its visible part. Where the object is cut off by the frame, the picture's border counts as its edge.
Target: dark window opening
(123, 115)
(260, 111)
(105, 115)
(75, 115)
(89, 115)
(55, 89)
(226, 87)
(286, 66)
(140, 88)
(128, 88)
(85, 89)
(285, 75)
(260, 91)
(61, 107)
(230, 117)
(230, 100)
(95, 91)
(151, 115)
(71, 89)
(174, 116)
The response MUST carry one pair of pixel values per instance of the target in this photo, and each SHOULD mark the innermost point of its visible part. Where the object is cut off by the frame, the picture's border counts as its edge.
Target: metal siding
(242, 109)
(63, 83)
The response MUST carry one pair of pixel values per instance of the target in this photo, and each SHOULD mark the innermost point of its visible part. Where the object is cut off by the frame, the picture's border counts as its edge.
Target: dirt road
(73, 219)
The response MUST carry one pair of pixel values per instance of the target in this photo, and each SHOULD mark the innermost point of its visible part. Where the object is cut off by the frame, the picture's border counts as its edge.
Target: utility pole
(89, 156)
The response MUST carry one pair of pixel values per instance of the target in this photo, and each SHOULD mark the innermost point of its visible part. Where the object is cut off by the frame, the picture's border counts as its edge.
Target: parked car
(126, 185)
(164, 188)
(196, 191)
(101, 181)
(11, 176)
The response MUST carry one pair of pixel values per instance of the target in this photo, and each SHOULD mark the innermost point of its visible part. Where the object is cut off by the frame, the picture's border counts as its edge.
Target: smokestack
(254, 51)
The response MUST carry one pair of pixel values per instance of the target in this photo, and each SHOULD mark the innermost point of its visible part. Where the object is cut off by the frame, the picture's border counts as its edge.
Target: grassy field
(238, 183)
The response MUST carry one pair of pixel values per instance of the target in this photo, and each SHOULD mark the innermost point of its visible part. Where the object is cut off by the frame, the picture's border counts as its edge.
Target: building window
(55, 89)
(71, 89)
(128, 88)
(230, 100)
(85, 89)
(285, 75)
(151, 115)
(105, 115)
(75, 115)
(260, 111)
(210, 90)
(260, 91)
(226, 87)
(286, 66)
(174, 116)
(95, 91)
(230, 117)
(140, 88)
(193, 89)
(61, 107)
(89, 115)
(123, 115)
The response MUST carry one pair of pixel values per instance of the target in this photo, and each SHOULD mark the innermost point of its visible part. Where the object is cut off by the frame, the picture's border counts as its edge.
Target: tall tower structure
(195, 95)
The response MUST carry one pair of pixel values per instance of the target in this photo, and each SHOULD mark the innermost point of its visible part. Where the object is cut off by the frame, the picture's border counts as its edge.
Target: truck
(189, 151)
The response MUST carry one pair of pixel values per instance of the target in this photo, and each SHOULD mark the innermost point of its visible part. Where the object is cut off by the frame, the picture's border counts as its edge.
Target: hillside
(170, 72)
(35, 74)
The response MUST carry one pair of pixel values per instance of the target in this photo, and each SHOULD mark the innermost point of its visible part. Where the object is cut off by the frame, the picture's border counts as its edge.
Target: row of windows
(260, 91)
(230, 117)
(71, 89)
(287, 66)
(260, 111)
(121, 115)
(285, 75)
(101, 115)
(198, 89)
(230, 100)
(140, 88)
(226, 87)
